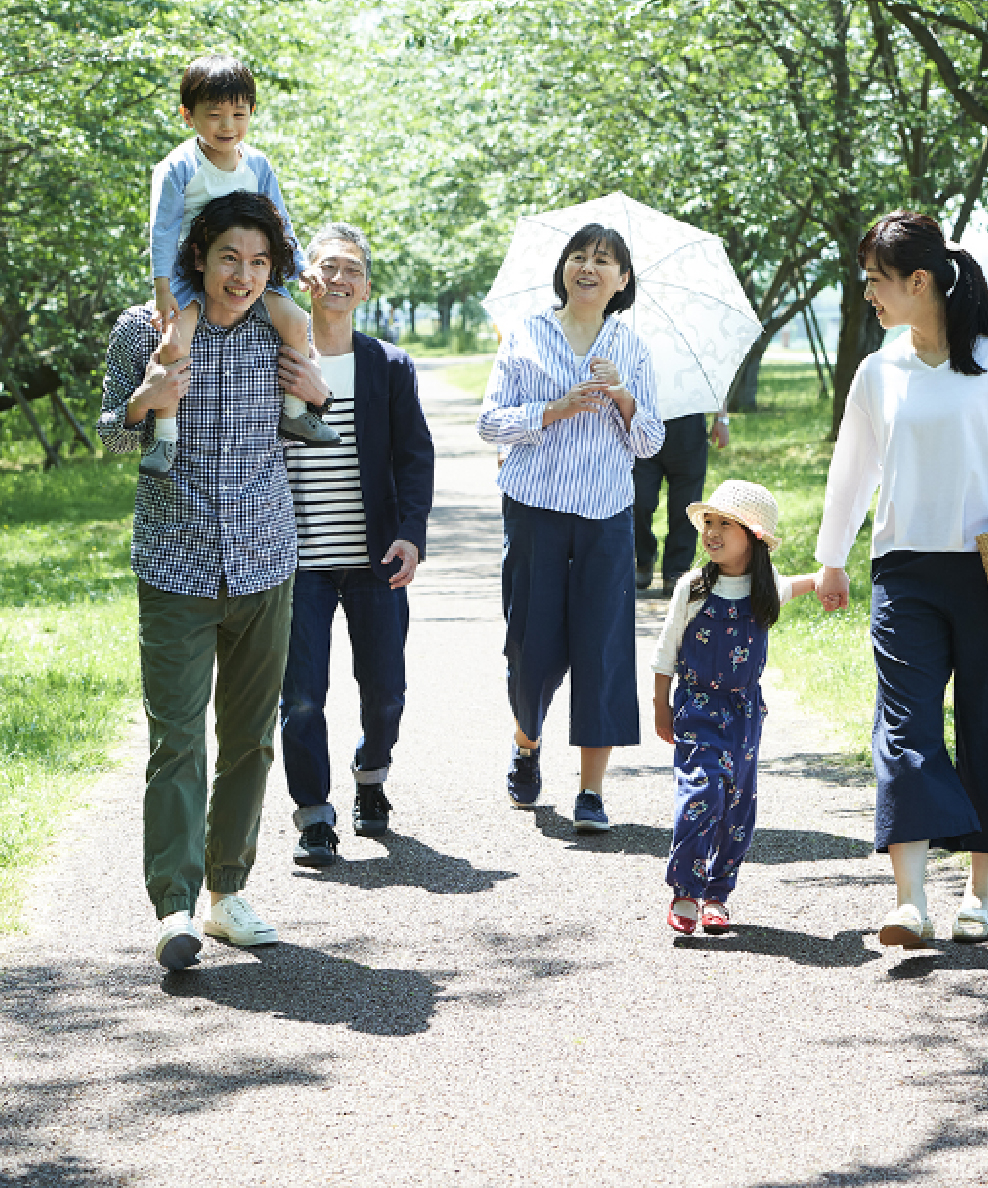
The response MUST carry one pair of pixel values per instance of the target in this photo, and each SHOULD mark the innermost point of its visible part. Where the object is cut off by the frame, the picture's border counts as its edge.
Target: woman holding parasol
(916, 427)
(572, 394)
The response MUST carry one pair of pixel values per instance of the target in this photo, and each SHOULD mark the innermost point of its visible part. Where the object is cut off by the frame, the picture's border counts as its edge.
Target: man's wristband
(722, 419)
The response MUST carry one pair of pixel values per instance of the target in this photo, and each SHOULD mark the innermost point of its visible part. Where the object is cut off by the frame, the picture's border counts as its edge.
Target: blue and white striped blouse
(582, 464)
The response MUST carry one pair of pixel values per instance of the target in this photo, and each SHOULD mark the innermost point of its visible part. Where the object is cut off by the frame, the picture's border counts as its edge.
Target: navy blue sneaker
(524, 777)
(316, 845)
(589, 815)
(370, 811)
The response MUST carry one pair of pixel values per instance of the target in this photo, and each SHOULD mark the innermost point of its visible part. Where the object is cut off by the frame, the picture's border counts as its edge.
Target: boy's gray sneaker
(159, 459)
(589, 815)
(309, 428)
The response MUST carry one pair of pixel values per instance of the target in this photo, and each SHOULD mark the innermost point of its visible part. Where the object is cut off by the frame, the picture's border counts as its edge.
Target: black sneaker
(643, 577)
(524, 776)
(317, 845)
(370, 811)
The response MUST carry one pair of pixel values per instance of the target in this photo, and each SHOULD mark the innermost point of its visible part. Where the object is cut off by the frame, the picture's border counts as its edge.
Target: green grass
(471, 377)
(826, 659)
(69, 676)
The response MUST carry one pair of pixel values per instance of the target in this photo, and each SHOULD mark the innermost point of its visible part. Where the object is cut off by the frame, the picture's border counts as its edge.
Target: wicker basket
(983, 549)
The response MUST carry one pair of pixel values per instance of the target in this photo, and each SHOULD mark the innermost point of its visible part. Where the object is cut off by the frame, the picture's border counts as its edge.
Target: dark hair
(764, 592)
(594, 233)
(904, 241)
(239, 209)
(216, 77)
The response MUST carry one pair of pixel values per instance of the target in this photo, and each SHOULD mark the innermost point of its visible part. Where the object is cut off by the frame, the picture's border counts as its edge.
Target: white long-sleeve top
(920, 433)
(682, 612)
(581, 464)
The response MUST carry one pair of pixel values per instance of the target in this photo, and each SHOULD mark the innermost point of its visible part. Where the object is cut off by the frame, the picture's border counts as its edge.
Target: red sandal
(684, 924)
(715, 922)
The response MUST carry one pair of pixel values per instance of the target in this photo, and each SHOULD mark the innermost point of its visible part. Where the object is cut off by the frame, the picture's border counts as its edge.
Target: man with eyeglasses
(360, 509)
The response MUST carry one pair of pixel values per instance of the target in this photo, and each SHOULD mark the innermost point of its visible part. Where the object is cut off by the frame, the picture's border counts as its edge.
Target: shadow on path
(846, 949)
(293, 982)
(770, 846)
(409, 863)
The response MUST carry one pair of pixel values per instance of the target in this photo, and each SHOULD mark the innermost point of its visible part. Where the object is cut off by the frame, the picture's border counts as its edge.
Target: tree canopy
(784, 126)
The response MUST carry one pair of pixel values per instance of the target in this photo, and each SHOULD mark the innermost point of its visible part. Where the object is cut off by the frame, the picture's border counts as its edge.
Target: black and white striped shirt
(325, 482)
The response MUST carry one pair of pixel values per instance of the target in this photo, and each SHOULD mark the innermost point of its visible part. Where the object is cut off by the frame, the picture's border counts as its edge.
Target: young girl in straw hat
(714, 640)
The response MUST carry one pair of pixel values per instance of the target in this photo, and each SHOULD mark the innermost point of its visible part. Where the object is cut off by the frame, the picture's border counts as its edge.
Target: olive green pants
(181, 638)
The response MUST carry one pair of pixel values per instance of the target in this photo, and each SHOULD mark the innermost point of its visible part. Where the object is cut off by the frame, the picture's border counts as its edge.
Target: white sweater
(920, 432)
(682, 612)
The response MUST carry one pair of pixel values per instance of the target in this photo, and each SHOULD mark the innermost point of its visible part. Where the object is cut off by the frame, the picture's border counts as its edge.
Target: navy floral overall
(717, 724)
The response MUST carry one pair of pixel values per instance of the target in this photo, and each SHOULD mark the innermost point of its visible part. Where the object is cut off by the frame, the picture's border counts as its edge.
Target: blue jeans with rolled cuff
(377, 623)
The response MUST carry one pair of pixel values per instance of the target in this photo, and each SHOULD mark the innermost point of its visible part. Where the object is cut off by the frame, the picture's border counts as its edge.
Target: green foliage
(68, 647)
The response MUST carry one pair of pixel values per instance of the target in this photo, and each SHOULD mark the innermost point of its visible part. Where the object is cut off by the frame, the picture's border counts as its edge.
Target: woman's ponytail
(967, 310)
(905, 241)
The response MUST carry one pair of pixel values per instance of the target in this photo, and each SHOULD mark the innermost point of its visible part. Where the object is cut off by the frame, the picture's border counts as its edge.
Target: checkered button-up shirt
(225, 510)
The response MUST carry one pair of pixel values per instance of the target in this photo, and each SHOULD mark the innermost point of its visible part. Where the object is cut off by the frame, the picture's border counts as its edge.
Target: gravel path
(482, 999)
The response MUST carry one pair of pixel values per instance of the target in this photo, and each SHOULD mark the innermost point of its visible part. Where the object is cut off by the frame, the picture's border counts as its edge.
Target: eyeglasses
(330, 268)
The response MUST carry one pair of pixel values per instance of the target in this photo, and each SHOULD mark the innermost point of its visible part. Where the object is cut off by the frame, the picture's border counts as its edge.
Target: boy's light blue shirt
(169, 182)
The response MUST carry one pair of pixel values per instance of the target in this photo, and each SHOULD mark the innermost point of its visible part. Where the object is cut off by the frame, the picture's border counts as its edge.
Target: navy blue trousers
(377, 621)
(682, 465)
(929, 620)
(568, 590)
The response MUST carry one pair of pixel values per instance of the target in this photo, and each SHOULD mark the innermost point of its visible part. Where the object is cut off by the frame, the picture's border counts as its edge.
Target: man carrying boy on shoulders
(361, 510)
(214, 550)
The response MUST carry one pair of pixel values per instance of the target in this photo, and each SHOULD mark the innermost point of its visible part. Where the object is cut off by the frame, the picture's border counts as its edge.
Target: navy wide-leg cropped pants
(929, 620)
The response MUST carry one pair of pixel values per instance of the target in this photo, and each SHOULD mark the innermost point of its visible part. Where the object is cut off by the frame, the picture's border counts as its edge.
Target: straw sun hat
(747, 503)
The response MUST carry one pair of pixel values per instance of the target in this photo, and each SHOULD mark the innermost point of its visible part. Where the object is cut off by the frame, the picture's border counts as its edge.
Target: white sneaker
(233, 919)
(179, 942)
(906, 927)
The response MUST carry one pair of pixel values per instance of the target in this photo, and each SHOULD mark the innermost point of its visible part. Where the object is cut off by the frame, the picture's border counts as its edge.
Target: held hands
(833, 588)
(663, 721)
(409, 555)
(163, 387)
(301, 377)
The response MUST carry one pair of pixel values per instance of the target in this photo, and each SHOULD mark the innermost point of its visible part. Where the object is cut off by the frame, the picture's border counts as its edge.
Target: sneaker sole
(523, 804)
(180, 952)
(315, 860)
(591, 826)
(333, 441)
(370, 830)
(896, 934)
(265, 938)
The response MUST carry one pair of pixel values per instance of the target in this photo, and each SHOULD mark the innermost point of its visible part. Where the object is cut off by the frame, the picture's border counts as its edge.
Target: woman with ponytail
(916, 427)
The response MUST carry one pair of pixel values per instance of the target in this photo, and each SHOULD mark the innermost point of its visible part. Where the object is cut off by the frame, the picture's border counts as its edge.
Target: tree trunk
(860, 334)
(411, 315)
(445, 307)
(742, 396)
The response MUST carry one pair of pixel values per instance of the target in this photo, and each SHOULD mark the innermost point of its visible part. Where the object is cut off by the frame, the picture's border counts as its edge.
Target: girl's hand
(581, 398)
(833, 588)
(663, 721)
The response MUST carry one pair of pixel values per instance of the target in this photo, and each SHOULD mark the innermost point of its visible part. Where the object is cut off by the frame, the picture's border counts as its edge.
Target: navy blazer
(394, 449)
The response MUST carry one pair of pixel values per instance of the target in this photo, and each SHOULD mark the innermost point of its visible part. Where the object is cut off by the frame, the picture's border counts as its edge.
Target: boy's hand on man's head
(312, 280)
